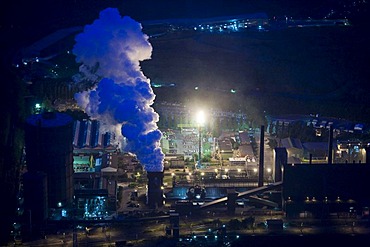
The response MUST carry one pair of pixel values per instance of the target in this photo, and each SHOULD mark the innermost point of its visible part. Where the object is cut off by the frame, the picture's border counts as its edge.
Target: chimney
(281, 159)
(367, 157)
(330, 145)
(155, 192)
(261, 157)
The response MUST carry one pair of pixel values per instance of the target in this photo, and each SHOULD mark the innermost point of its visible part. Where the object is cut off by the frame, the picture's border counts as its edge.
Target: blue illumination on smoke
(109, 51)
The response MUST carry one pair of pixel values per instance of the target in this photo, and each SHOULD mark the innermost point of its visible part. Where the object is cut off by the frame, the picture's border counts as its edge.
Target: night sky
(26, 21)
(276, 65)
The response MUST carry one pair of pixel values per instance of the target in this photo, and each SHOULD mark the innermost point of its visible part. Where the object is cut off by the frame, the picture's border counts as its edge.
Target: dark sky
(51, 13)
(23, 22)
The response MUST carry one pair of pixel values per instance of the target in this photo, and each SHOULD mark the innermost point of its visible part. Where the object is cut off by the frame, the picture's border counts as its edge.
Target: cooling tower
(49, 149)
(155, 192)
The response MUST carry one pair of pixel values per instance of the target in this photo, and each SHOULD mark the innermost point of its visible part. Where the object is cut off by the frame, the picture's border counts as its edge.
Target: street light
(200, 121)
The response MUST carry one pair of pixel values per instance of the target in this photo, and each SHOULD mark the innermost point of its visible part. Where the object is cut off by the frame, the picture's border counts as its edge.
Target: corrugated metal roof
(291, 143)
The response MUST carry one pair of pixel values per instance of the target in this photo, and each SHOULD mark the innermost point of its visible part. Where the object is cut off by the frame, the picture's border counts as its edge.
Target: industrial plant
(74, 173)
(137, 170)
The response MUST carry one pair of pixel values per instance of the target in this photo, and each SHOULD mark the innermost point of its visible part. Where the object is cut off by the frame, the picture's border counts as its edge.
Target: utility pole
(200, 146)
(30, 219)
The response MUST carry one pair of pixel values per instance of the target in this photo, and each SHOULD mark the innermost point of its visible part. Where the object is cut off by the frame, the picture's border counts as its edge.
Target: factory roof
(291, 143)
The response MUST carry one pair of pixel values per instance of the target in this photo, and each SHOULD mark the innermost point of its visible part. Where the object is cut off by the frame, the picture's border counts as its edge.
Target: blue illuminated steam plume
(110, 51)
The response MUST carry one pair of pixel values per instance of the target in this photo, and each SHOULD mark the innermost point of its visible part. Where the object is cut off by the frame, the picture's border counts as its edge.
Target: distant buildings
(98, 166)
(318, 152)
(178, 116)
(344, 150)
(217, 24)
(315, 189)
(277, 124)
(71, 163)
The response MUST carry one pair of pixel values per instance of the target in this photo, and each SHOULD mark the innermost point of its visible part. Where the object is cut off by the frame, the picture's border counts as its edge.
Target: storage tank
(49, 149)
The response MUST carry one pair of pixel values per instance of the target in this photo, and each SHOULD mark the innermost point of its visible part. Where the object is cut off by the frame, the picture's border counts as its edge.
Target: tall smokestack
(330, 145)
(367, 156)
(261, 158)
(281, 159)
(155, 192)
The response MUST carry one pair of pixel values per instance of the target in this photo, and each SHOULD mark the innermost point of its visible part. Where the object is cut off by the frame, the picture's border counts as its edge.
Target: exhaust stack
(155, 192)
(261, 158)
(330, 146)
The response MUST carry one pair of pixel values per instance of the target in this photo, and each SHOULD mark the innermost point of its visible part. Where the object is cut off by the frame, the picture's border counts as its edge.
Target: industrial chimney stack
(261, 158)
(155, 191)
(330, 145)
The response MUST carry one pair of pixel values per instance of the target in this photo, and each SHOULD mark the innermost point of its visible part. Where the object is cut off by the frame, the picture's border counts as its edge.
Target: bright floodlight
(201, 118)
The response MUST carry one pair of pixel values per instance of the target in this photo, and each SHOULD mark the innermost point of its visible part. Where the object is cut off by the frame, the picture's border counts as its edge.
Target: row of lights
(325, 200)
(226, 170)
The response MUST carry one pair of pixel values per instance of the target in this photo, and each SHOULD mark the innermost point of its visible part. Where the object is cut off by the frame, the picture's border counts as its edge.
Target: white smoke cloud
(112, 48)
